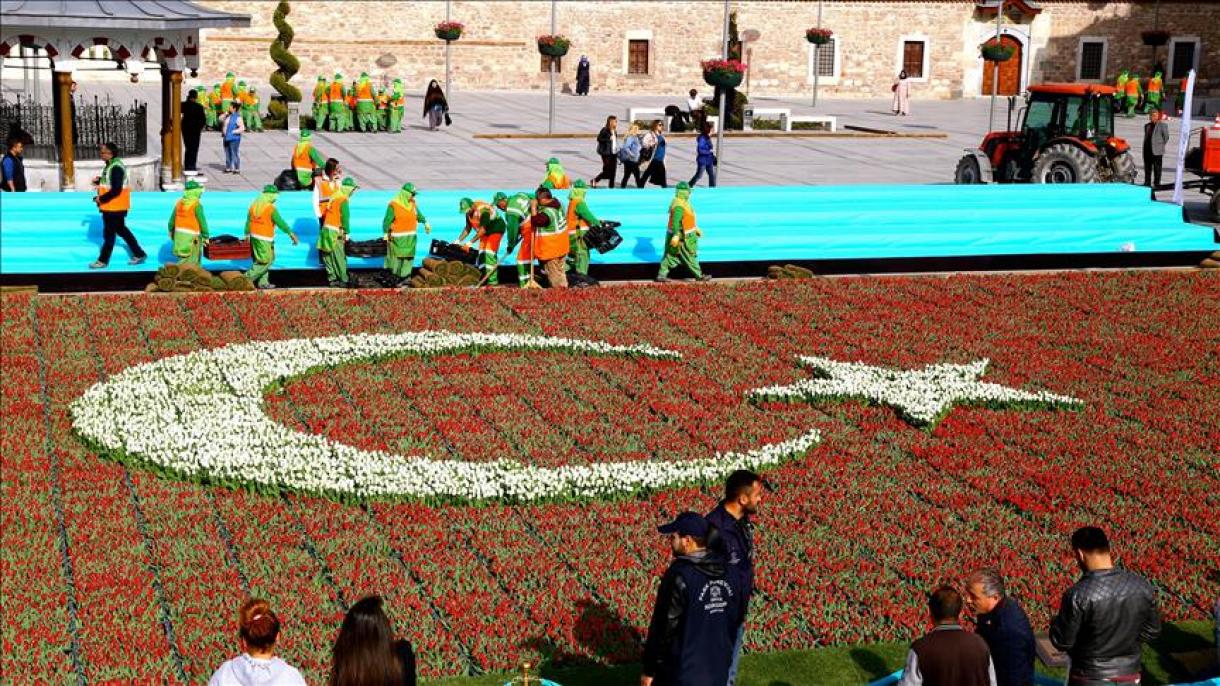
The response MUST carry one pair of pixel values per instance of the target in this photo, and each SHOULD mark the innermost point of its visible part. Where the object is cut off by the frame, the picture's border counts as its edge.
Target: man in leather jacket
(699, 607)
(1105, 617)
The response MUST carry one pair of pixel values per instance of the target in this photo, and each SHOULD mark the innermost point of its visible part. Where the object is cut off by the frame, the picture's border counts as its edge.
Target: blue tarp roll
(61, 232)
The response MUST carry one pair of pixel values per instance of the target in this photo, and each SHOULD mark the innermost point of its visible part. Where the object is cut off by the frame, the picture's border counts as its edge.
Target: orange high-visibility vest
(364, 91)
(476, 211)
(334, 213)
(119, 203)
(351, 101)
(558, 182)
(226, 90)
(551, 241)
(688, 217)
(336, 91)
(406, 219)
(326, 188)
(320, 93)
(1133, 88)
(575, 223)
(262, 226)
(301, 161)
(184, 217)
(1154, 85)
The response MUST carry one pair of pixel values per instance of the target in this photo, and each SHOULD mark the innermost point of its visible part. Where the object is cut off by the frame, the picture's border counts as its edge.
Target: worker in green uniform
(682, 237)
(516, 213)
(488, 229)
(336, 227)
(398, 106)
(402, 218)
(338, 105)
(1134, 93)
(251, 110)
(227, 91)
(1156, 92)
(188, 228)
(262, 219)
(211, 110)
(306, 158)
(240, 96)
(321, 96)
(366, 104)
(1120, 94)
(580, 219)
(556, 177)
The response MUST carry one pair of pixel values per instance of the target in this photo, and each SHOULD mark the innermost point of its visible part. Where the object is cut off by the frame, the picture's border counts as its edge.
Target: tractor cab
(1066, 136)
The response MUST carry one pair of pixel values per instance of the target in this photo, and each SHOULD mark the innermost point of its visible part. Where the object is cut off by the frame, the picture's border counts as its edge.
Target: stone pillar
(175, 94)
(67, 151)
(166, 131)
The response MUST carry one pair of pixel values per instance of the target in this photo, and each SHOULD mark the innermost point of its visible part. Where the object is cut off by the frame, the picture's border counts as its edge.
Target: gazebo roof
(157, 15)
(1025, 7)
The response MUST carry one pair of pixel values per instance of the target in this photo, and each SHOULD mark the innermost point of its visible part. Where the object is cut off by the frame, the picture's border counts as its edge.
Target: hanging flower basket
(449, 30)
(554, 46)
(723, 73)
(818, 36)
(1155, 38)
(996, 52)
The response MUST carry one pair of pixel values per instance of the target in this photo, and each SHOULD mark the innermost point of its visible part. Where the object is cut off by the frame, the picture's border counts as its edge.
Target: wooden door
(1010, 70)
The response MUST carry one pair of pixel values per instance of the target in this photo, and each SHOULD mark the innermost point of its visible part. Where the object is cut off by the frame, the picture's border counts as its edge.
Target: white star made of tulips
(921, 396)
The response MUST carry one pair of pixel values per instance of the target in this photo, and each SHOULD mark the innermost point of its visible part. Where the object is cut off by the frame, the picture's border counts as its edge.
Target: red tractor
(1066, 136)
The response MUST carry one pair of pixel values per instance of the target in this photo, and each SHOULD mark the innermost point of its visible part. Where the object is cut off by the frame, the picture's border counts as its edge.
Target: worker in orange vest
(305, 158)
(383, 110)
(682, 237)
(517, 229)
(556, 177)
(1179, 100)
(580, 218)
(338, 120)
(398, 106)
(366, 104)
(402, 219)
(325, 183)
(321, 99)
(262, 219)
(332, 239)
(113, 201)
(188, 228)
(1154, 98)
(485, 225)
(1133, 93)
(250, 110)
(550, 236)
(227, 90)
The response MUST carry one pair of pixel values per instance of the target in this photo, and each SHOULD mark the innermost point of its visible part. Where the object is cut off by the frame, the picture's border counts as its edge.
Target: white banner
(1183, 138)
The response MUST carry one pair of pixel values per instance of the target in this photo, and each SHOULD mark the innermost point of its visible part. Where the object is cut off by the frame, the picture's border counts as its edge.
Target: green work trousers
(686, 255)
(335, 263)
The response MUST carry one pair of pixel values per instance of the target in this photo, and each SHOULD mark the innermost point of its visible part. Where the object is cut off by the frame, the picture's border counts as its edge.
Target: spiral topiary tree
(288, 66)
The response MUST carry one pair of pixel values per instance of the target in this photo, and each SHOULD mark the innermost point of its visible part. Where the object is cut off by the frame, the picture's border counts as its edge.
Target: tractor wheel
(968, 171)
(1124, 168)
(1064, 163)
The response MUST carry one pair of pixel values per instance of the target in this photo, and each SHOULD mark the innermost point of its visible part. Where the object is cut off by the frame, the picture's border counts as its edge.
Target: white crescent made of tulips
(200, 415)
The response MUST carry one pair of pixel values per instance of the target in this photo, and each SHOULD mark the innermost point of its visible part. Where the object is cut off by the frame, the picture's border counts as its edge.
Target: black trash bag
(224, 239)
(578, 280)
(287, 181)
(605, 237)
(375, 247)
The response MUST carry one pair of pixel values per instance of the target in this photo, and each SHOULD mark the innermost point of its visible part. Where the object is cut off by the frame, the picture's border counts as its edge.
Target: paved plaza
(453, 158)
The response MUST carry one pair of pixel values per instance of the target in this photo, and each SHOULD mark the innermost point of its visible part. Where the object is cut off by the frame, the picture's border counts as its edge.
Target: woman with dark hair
(607, 149)
(436, 107)
(366, 653)
(257, 631)
(705, 156)
(902, 95)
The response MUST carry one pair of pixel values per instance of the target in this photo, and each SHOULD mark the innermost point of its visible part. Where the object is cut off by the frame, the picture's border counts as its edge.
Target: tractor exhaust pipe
(1012, 104)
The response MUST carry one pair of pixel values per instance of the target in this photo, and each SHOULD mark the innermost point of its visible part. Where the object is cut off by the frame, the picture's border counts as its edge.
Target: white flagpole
(1183, 138)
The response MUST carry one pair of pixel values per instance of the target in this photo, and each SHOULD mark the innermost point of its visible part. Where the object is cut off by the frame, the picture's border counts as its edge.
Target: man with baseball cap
(698, 609)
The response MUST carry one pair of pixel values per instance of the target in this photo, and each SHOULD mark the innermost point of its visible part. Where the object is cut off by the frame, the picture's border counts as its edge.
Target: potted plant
(449, 30)
(554, 46)
(1155, 38)
(723, 73)
(818, 36)
(994, 51)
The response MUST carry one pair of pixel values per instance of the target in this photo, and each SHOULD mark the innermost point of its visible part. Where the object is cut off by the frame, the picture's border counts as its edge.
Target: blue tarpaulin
(61, 232)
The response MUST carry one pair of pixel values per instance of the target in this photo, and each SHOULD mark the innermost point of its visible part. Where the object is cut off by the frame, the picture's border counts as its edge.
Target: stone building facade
(1057, 40)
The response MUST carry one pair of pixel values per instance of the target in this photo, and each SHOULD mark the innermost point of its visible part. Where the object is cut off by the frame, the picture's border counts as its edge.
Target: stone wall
(498, 51)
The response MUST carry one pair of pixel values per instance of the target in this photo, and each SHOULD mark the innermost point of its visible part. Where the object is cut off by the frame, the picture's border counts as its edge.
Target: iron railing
(94, 123)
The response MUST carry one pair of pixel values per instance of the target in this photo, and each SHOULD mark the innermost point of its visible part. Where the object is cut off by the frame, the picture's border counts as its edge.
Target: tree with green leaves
(287, 64)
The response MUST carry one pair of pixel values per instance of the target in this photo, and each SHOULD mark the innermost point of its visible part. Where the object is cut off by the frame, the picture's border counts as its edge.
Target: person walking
(654, 141)
(113, 200)
(550, 236)
(232, 127)
(262, 219)
(436, 106)
(1155, 95)
(681, 237)
(1003, 624)
(12, 168)
(365, 652)
(629, 155)
(902, 95)
(1133, 94)
(332, 239)
(188, 228)
(743, 492)
(705, 157)
(582, 76)
(697, 612)
(948, 655)
(1156, 138)
(194, 119)
(607, 149)
(401, 221)
(258, 630)
(1104, 618)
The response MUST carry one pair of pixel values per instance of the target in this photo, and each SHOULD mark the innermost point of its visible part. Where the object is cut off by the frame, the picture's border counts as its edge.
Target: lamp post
(724, 92)
(817, 64)
(448, 72)
(550, 127)
(995, 69)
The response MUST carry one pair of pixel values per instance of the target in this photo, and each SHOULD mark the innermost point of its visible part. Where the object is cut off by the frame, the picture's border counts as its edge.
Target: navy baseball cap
(687, 524)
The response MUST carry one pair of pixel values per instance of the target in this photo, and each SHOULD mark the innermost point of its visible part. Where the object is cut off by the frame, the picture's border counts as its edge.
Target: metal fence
(93, 124)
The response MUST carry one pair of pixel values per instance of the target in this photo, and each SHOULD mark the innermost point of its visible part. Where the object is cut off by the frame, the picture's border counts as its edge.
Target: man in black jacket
(699, 607)
(1003, 624)
(735, 533)
(12, 167)
(1105, 617)
(194, 119)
